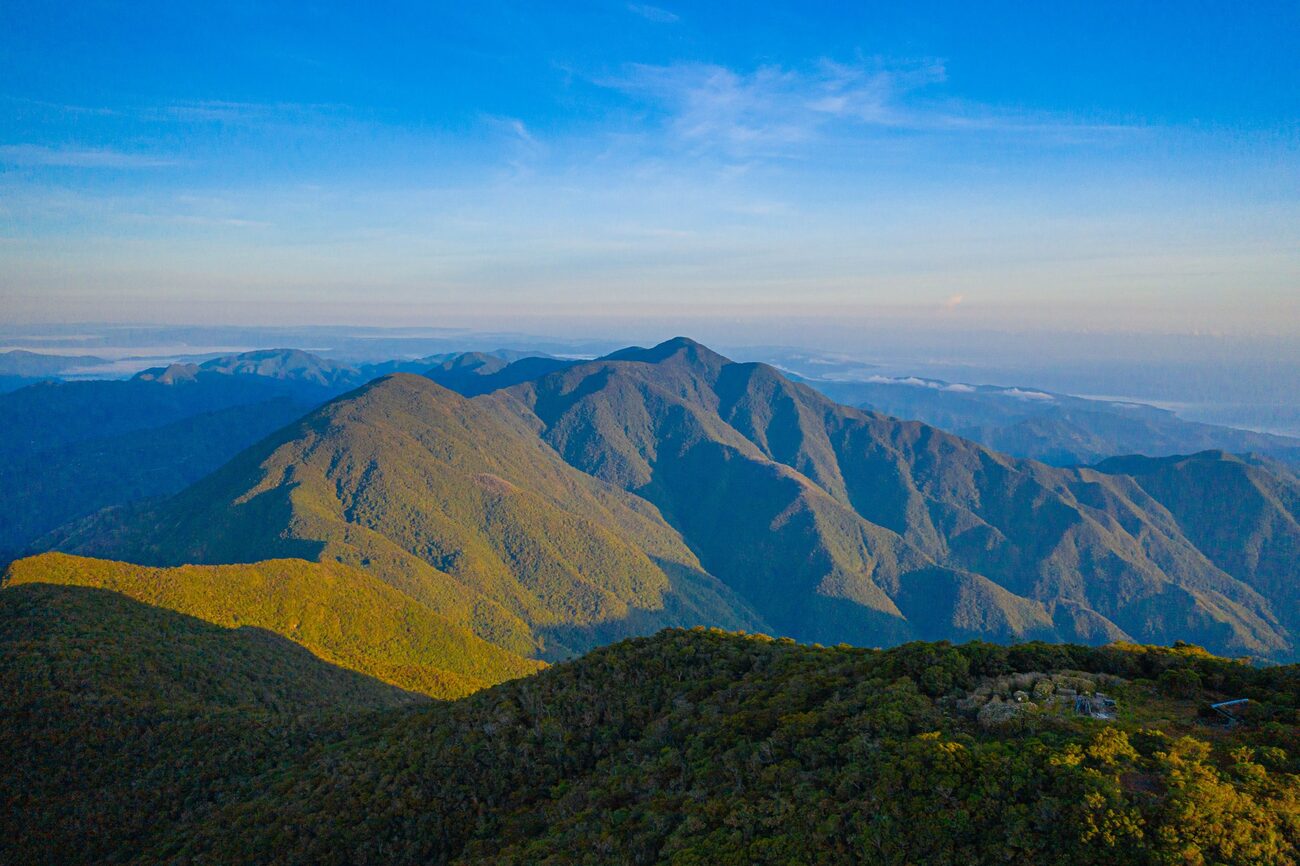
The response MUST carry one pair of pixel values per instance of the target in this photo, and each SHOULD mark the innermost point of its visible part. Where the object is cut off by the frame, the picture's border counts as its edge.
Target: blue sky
(1106, 166)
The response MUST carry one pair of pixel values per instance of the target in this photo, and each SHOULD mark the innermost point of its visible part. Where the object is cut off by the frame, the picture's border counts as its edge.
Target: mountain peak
(264, 356)
(172, 374)
(683, 348)
(477, 362)
(283, 364)
(1139, 464)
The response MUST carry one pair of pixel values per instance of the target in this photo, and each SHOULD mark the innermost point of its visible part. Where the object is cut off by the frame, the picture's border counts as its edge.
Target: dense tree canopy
(689, 747)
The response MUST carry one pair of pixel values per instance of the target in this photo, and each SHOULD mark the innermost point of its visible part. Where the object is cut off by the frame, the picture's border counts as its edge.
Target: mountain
(19, 362)
(70, 481)
(1055, 428)
(1243, 514)
(467, 373)
(690, 747)
(838, 524)
(343, 615)
(457, 503)
(285, 365)
(473, 373)
(670, 486)
(53, 414)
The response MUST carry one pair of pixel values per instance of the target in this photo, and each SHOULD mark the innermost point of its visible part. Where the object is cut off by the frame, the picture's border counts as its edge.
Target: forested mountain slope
(691, 747)
(840, 524)
(120, 717)
(69, 449)
(456, 503)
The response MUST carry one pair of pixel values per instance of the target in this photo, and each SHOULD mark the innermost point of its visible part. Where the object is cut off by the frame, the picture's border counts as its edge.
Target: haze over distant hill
(19, 367)
(283, 364)
(670, 485)
(1025, 420)
(68, 449)
(1055, 428)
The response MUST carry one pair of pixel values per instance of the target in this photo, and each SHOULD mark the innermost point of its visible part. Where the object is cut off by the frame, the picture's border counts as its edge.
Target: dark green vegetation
(119, 717)
(691, 747)
(670, 486)
(1055, 428)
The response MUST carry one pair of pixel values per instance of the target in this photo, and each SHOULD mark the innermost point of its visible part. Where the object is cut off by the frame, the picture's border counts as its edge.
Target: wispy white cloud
(1021, 394)
(510, 126)
(653, 13)
(522, 150)
(712, 106)
(58, 107)
(233, 112)
(916, 382)
(774, 110)
(37, 155)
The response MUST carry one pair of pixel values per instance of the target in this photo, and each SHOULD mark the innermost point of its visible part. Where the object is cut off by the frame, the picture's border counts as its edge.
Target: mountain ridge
(691, 487)
(843, 454)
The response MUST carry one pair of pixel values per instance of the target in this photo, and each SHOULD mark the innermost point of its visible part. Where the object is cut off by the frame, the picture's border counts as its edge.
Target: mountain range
(670, 486)
(283, 610)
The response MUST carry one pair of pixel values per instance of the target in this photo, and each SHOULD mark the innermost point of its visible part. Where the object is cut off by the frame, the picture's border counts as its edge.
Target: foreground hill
(343, 615)
(456, 503)
(690, 747)
(119, 716)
